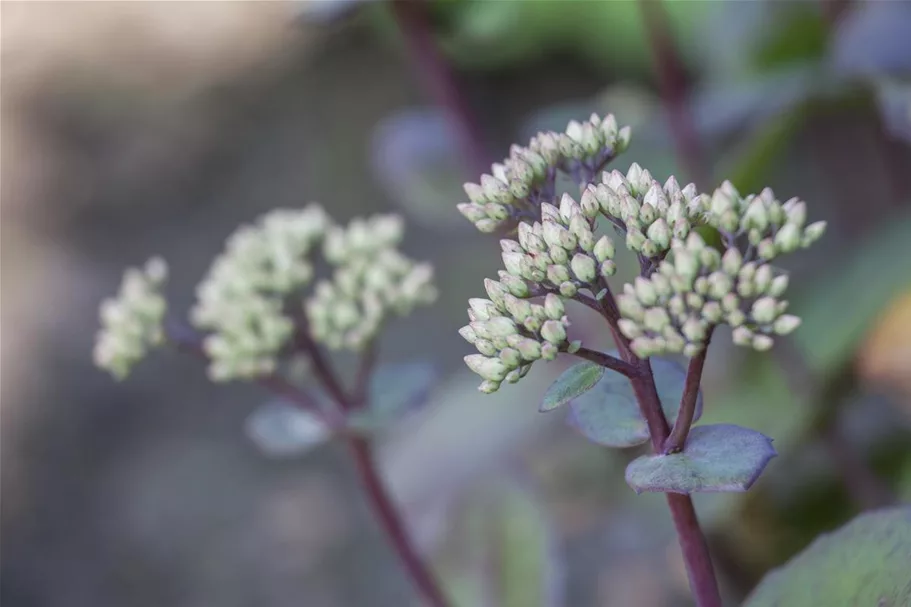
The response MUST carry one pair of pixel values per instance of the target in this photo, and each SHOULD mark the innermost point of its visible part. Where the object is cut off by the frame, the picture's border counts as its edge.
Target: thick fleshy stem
(677, 438)
(608, 362)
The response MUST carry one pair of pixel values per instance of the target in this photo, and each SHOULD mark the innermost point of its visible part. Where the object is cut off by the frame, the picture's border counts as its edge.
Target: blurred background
(140, 128)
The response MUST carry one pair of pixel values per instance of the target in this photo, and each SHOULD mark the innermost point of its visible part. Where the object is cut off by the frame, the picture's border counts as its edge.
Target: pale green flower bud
(645, 292)
(762, 343)
(629, 328)
(584, 268)
(647, 214)
(764, 310)
(796, 212)
(515, 375)
(685, 263)
(511, 358)
(712, 312)
(701, 285)
(549, 351)
(642, 347)
(778, 285)
(496, 212)
(661, 285)
(721, 202)
(695, 300)
(787, 239)
(513, 262)
(767, 249)
(729, 221)
(529, 349)
(568, 289)
(763, 279)
(495, 190)
(514, 284)
(672, 188)
(519, 309)
(746, 289)
(747, 272)
(649, 248)
(623, 139)
(494, 328)
(692, 350)
(608, 268)
(742, 336)
(486, 347)
(730, 302)
(812, 233)
(776, 213)
(578, 226)
(589, 202)
(604, 249)
(756, 216)
(553, 233)
(676, 305)
(694, 329)
(495, 291)
(673, 341)
(720, 284)
(681, 228)
(630, 307)
(511, 246)
(568, 208)
(785, 324)
(659, 233)
(489, 387)
(553, 307)
(487, 226)
(557, 274)
(731, 262)
(484, 309)
(468, 334)
(472, 212)
(609, 128)
(475, 194)
(533, 324)
(736, 318)
(528, 239)
(656, 319)
(574, 346)
(559, 255)
(549, 213)
(492, 369)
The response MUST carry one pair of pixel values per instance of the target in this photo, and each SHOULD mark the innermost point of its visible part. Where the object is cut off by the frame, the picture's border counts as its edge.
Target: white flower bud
(553, 307)
(787, 239)
(568, 289)
(517, 286)
(629, 328)
(742, 336)
(756, 216)
(731, 261)
(475, 194)
(694, 329)
(468, 334)
(623, 139)
(604, 249)
(812, 233)
(513, 263)
(589, 202)
(785, 324)
(721, 202)
(796, 211)
(767, 249)
(764, 310)
(659, 233)
(778, 285)
(645, 292)
(762, 343)
(655, 319)
(685, 263)
(607, 268)
(553, 331)
(486, 347)
(634, 240)
(763, 278)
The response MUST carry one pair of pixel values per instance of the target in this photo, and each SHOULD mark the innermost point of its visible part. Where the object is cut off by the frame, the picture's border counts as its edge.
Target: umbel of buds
(515, 188)
(252, 302)
(686, 287)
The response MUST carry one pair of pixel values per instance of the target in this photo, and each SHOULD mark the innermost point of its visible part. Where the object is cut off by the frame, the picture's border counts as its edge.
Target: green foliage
(608, 414)
(719, 458)
(572, 383)
(866, 562)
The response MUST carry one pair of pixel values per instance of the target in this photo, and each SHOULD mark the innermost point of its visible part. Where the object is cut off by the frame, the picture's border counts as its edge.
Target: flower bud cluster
(698, 288)
(241, 300)
(556, 256)
(515, 188)
(652, 215)
(771, 227)
(131, 322)
(371, 280)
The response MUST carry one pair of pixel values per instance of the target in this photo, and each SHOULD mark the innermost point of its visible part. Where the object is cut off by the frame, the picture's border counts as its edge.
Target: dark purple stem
(440, 81)
(673, 82)
(608, 362)
(677, 438)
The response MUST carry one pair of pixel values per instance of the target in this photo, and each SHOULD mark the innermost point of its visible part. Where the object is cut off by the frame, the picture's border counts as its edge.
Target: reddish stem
(677, 439)
(440, 80)
(387, 514)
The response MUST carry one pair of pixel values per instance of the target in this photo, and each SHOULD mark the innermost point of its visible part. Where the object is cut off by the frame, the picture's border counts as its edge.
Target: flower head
(131, 322)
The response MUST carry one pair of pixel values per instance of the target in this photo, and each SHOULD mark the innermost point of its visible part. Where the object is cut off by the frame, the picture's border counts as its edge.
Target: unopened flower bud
(788, 238)
(511, 358)
(681, 228)
(589, 202)
(767, 249)
(583, 267)
(471, 211)
(778, 285)
(812, 233)
(608, 268)
(694, 329)
(513, 263)
(712, 312)
(623, 139)
(764, 310)
(645, 292)
(729, 221)
(486, 347)
(796, 211)
(553, 306)
(629, 328)
(762, 343)
(529, 349)
(568, 289)
(742, 336)
(731, 262)
(763, 279)
(492, 369)
(514, 284)
(553, 331)
(495, 291)
(785, 324)
(630, 308)
(659, 233)
(549, 351)
(720, 284)
(489, 387)
(468, 334)
(655, 319)
(756, 216)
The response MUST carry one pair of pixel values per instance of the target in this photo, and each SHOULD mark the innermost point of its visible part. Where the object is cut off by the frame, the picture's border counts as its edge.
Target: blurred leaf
(894, 101)
(872, 40)
(718, 458)
(281, 429)
(394, 391)
(608, 414)
(800, 34)
(512, 556)
(755, 157)
(866, 562)
(416, 157)
(861, 282)
(573, 382)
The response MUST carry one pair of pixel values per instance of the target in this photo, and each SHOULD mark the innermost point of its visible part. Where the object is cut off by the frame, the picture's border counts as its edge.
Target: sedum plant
(261, 313)
(704, 260)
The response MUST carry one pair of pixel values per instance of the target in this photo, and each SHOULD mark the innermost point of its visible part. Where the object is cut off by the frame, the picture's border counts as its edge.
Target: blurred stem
(439, 80)
(672, 79)
(387, 514)
(189, 341)
(677, 439)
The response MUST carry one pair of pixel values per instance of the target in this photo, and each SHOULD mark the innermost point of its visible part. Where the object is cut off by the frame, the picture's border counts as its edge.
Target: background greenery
(136, 128)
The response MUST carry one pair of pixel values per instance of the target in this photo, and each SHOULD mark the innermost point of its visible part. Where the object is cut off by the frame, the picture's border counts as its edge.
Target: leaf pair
(603, 408)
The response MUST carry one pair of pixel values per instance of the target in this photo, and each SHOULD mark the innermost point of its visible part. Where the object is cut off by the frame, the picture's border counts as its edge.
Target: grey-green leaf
(572, 383)
(609, 415)
(394, 391)
(716, 458)
(866, 562)
(282, 430)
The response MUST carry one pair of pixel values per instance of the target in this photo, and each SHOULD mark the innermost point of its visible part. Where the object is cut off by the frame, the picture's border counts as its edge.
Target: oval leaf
(395, 390)
(282, 430)
(609, 414)
(574, 382)
(866, 562)
(717, 458)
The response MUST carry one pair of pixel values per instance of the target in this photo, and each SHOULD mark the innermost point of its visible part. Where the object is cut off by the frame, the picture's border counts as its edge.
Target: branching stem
(608, 362)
